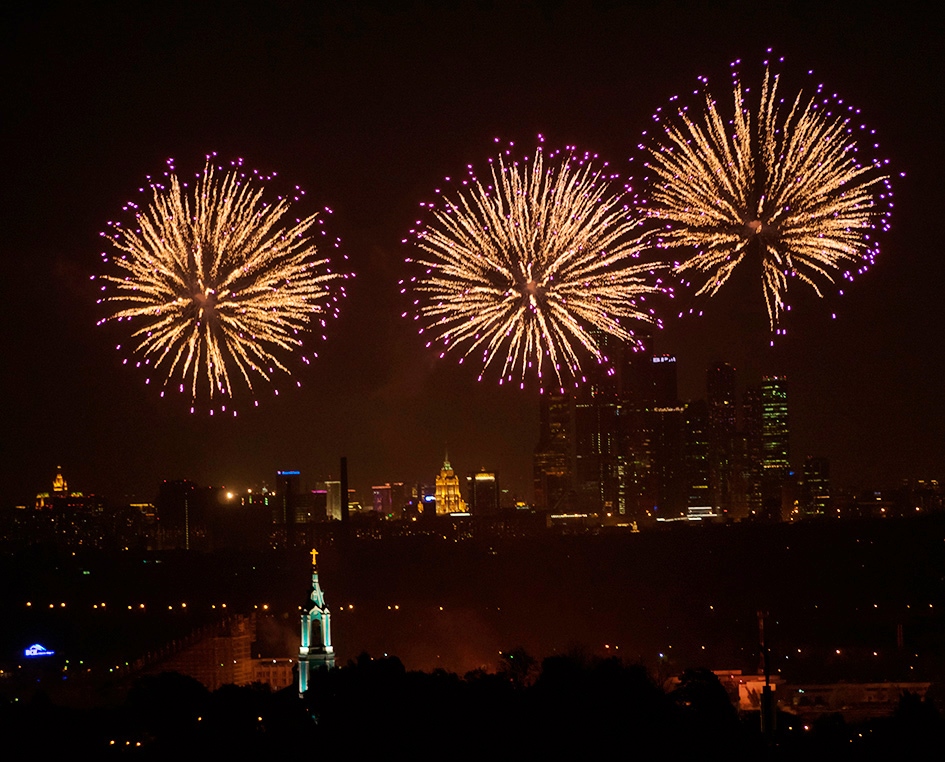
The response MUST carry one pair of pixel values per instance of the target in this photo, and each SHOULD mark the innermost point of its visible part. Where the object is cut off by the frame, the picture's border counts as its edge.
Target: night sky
(368, 106)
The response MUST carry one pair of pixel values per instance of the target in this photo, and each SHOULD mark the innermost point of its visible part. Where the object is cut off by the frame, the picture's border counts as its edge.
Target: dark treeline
(567, 707)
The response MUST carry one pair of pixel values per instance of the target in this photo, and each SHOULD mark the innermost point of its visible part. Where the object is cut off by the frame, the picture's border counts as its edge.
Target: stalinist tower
(315, 648)
(448, 499)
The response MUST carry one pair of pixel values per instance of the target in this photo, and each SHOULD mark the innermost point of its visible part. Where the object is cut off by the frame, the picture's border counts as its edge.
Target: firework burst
(216, 282)
(524, 269)
(783, 180)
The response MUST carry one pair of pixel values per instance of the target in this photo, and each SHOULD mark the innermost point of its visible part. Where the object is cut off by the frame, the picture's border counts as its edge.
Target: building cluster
(623, 449)
(624, 445)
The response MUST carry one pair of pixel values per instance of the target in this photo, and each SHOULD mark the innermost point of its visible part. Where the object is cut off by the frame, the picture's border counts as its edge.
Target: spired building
(315, 648)
(447, 494)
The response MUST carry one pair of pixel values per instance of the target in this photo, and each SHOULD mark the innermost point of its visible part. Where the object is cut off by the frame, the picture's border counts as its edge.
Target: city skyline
(368, 109)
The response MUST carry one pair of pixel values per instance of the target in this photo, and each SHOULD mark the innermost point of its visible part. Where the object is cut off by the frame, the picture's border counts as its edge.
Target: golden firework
(525, 269)
(784, 180)
(216, 282)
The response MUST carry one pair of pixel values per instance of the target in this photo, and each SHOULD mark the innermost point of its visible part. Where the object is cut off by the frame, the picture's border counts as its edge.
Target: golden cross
(314, 553)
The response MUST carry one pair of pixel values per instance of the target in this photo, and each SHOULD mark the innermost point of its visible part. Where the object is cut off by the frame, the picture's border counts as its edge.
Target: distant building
(287, 497)
(699, 500)
(600, 451)
(552, 458)
(484, 493)
(722, 437)
(775, 445)
(814, 501)
(182, 514)
(333, 499)
(767, 436)
(402, 499)
(753, 452)
(383, 500)
(216, 656)
(70, 517)
(448, 497)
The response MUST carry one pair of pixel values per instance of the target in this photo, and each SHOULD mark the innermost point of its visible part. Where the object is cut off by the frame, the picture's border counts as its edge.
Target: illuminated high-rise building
(666, 424)
(382, 500)
(181, 514)
(600, 449)
(753, 451)
(767, 435)
(287, 495)
(400, 499)
(553, 453)
(333, 499)
(814, 499)
(74, 518)
(698, 501)
(483, 493)
(722, 434)
(774, 412)
(448, 497)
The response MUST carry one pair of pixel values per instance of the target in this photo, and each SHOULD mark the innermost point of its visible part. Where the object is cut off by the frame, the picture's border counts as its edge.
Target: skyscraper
(553, 453)
(484, 493)
(815, 490)
(333, 499)
(698, 502)
(598, 447)
(775, 461)
(382, 499)
(753, 461)
(722, 431)
(448, 497)
(666, 424)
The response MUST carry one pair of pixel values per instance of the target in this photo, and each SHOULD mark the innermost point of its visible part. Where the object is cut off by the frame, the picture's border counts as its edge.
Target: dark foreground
(568, 707)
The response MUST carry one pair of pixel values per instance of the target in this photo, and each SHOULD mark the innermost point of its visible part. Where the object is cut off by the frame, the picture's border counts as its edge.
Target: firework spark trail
(525, 268)
(215, 282)
(781, 178)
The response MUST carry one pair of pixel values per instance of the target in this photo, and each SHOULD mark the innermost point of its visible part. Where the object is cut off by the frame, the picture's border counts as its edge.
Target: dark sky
(367, 106)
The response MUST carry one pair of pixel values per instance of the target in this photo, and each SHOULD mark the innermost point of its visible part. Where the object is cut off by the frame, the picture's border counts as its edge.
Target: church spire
(315, 647)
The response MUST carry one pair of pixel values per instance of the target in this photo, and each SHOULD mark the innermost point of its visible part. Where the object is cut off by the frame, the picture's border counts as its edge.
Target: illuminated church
(448, 499)
(315, 649)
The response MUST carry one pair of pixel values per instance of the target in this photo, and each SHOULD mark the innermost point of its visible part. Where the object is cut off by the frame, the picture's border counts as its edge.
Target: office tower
(400, 499)
(383, 500)
(483, 493)
(667, 488)
(287, 497)
(333, 500)
(767, 448)
(666, 423)
(815, 489)
(722, 433)
(637, 430)
(664, 387)
(180, 513)
(552, 458)
(599, 454)
(753, 462)
(319, 503)
(448, 498)
(698, 502)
